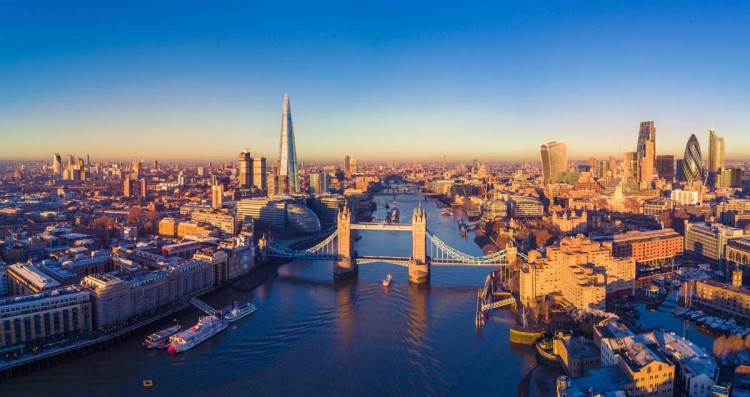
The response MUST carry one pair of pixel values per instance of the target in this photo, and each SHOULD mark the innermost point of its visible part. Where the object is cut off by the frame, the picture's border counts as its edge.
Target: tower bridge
(427, 249)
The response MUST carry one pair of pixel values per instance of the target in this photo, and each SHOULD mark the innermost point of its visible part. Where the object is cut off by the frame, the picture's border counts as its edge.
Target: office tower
(155, 165)
(602, 169)
(693, 163)
(181, 179)
(57, 165)
(592, 164)
(554, 161)
(201, 171)
(715, 151)
(613, 165)
(646, 150)
(246, 169)
(136, 169)
(318, 182)
(259, 174)
(665, 167)
(630, 164)
(217, 195)
(288, 173)
(680, 170)
(354, 168)
(347, 166)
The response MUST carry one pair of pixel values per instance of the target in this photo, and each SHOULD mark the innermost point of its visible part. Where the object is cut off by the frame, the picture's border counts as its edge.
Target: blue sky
(378, 80)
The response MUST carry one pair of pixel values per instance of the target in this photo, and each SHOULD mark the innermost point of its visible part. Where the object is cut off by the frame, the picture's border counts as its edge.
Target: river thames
(311, 336)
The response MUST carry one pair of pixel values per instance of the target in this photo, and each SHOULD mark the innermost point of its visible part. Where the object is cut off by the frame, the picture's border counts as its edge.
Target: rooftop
(34, 276)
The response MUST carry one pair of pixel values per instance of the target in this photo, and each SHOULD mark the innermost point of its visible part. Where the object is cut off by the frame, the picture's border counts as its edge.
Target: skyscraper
(347, 166)
(259, 174)
(217, 195)
(288, 173)
(246, 170)
(554, 160)
(715, 151)
(630, 164)
(57, 165)
(692, 166)
(646, 150)
(665, 167)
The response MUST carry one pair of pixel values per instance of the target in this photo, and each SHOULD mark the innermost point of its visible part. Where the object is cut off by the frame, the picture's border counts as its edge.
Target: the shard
(288, 172)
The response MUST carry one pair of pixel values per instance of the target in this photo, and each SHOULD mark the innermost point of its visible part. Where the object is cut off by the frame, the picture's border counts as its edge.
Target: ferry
(387, 281)
(237, 312)
(160, 339)
(206, 327)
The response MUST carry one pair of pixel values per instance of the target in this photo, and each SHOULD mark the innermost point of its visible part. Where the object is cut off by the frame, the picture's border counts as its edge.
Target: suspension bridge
(427, 249)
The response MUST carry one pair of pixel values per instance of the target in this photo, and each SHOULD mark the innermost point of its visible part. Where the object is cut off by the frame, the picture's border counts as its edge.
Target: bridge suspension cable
(323, 250)
(442, 253)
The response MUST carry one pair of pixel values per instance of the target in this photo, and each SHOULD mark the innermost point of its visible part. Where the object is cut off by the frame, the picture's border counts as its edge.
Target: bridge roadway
(381, 226)
(403, 261)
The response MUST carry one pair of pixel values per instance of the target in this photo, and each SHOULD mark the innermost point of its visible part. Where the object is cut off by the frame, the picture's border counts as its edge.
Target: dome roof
(302, 219)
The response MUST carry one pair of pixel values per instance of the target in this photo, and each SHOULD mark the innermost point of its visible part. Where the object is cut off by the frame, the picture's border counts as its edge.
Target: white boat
(237, 312)
(447, 212)
(387, 281)
(160, 339)
(680, 311)
(206, 327)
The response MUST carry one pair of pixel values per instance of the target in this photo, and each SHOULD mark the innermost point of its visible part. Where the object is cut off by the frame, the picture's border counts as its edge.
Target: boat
(394, 215)
(206, 327)
(680, 311)
(447, 212)
(237, 312)
(160, 340)
(387, 281)
(696, 315)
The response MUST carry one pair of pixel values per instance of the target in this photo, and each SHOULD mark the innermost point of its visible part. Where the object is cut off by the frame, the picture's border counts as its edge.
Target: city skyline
(163, 88)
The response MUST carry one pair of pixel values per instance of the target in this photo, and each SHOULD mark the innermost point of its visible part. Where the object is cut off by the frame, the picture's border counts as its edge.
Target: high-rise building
(630, 164)
(217, 195)
(554, 160)
(57, 165)
(288, 172)
(354, 168)
(318, 182)
(692, 167)
(246, 169)
(680, 170)
(602, 169)
(347, 165)
(181, 178)
(665, 167)
(715, 151)
(646, 150)
(259, 174)
(134, 188)
(613, 165)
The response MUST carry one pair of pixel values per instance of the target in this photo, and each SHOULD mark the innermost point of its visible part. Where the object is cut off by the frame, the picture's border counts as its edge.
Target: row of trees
(727, 345)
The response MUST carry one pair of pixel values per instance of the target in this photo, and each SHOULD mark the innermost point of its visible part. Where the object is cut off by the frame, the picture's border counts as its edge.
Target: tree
(104, 222)
(542, 237)
(720, 347)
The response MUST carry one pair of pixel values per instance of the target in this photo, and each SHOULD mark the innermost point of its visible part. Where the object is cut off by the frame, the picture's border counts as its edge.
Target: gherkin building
(693, 163)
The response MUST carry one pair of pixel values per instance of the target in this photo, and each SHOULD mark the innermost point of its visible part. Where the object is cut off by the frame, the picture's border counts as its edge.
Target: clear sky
(378, 80)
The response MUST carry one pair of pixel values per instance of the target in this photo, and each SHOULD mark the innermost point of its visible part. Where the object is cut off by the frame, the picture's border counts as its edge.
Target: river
(311, 336)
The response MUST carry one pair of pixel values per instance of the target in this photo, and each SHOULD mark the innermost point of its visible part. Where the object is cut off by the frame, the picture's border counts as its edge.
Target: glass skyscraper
(554, 160)
(288, 172)
(692, 166)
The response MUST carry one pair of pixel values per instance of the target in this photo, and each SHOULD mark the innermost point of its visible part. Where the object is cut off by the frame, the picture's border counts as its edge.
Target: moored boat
(237, 312)
(160, 339)
(206, 327)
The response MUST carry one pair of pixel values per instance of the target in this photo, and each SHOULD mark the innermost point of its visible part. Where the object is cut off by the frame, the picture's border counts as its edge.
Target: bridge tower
(345, 265)
(419, 265)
